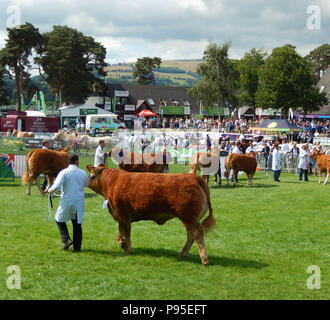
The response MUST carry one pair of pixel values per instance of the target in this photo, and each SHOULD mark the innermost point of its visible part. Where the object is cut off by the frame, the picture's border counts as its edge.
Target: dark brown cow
(134, 196)
(323, 164)
(241, 162)
(201, 161)
(43, 161)
(137, 162)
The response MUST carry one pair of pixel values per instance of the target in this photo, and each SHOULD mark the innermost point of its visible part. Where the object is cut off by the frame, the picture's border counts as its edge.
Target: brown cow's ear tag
(105, 204)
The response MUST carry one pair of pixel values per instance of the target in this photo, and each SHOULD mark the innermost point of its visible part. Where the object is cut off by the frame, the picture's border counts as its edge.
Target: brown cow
(43, 161)
(135, 196)
(323, 164)
(240, 162)
(203, 161)
(137, 162)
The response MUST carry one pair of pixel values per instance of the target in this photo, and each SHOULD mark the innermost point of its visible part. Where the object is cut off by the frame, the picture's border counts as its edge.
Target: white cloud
(3, 37)
(173, 29)
(174, 49)
(198, 5)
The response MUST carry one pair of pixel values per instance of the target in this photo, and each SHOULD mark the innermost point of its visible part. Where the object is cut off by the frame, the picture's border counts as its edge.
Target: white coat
(99, 156)
(236, 150)
(276, 164)
(71, 181)
(303, 160)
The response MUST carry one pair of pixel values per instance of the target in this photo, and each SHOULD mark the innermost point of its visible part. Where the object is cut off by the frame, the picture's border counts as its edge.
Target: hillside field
(171, 72)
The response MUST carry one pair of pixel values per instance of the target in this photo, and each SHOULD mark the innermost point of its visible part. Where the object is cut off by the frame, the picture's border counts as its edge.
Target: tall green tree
(320, 59)
(70, 62)
(219, 78)
(249, 68)
(16, 54)
(144, 70)
(4, 96)
(286, 81)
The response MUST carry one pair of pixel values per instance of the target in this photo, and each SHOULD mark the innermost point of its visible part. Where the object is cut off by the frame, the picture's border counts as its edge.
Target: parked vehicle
(103, 121)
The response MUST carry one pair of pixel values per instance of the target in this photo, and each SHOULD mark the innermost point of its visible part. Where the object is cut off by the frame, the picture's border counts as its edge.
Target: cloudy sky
(178, 29)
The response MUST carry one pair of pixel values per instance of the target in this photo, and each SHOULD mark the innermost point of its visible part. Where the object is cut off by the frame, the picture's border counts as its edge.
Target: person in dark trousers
(265, 152)
(276, 163)
(303, 163)
(71, 181)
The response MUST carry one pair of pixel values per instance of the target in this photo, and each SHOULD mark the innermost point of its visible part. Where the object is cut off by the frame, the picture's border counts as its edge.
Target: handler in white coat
(71, 181)
(276, 164)
(100, 154)
(303, 162)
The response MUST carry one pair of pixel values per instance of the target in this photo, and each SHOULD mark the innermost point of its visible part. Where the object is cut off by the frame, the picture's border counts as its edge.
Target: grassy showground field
(265, 239)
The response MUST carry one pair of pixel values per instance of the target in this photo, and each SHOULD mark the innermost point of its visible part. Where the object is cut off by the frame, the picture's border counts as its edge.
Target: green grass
(266, 237)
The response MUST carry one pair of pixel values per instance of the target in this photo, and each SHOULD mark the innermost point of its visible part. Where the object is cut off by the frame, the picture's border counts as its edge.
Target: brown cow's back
(153, 192)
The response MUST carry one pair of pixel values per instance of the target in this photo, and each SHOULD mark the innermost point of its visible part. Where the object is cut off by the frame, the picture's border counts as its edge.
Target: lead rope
(50, 206)
(50, 203)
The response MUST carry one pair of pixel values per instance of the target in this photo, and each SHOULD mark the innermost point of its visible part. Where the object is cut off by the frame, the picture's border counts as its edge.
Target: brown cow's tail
(227, 161)
(209, 223)
(26, 176)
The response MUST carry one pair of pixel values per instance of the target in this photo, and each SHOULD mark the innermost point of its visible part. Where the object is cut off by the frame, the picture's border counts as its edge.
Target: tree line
(72, 65)
(65, 59)
(283, 79)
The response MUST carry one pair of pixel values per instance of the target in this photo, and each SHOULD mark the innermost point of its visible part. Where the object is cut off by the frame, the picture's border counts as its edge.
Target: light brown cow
(240, 162)
(43, 161)
(204, 161)
(138, 162)
(323, 164)
(135, 196)
(22, 134)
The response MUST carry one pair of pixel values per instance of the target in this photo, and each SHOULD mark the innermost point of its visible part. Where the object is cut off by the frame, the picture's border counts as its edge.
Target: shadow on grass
(259, 185)
(90, 195)
(192, 258)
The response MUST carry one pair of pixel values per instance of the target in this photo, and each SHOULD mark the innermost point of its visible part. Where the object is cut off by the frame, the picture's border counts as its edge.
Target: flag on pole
(290, 113)
(22, 103)
(259, 112)
(43, 103)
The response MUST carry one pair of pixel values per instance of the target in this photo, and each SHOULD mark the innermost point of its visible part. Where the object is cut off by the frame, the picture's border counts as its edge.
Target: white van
(103, 121)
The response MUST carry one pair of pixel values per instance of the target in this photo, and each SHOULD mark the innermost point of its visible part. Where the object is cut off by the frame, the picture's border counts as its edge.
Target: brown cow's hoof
(122, 244)
(206, 262)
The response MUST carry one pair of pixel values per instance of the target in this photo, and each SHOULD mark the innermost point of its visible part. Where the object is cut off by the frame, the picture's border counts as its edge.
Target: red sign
(8, 123)
(31, 124)
(41, 124)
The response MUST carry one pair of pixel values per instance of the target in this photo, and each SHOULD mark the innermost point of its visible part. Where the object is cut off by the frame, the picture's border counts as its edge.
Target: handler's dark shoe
(67, 244)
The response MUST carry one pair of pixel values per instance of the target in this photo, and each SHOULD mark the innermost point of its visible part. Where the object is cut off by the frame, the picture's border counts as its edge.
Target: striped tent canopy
(276, 125)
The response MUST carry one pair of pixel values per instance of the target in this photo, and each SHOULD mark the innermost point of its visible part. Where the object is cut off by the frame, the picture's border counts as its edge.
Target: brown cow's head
(315, 153)
(95, 173)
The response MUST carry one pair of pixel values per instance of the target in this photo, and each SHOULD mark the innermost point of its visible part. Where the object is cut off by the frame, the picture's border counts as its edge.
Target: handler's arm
(86, 180)
(58, 183)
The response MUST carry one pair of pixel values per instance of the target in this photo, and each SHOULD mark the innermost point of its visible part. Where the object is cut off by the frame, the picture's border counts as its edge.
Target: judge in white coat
(303, 162)
(276, 164)
(100, 155)
(71, 181)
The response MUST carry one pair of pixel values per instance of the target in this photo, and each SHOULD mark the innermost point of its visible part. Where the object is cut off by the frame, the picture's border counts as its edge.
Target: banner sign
(175, 110)
(85, 112)
(124, 94)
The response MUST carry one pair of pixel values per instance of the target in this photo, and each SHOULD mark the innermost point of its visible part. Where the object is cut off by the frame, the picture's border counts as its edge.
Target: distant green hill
(170, 73)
